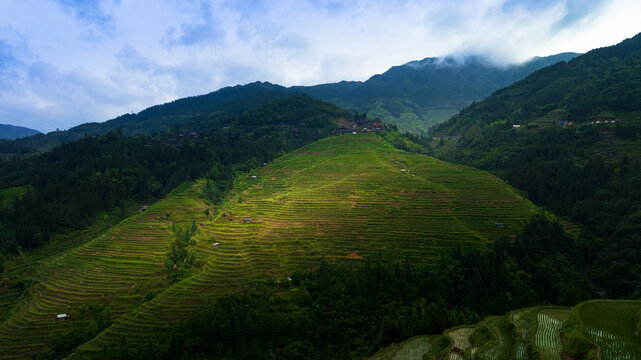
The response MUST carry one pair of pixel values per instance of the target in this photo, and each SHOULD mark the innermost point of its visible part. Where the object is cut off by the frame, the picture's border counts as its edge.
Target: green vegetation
(413, 349)
(550, 333)
(601, 80)
(465, 341)
(588, 171)
(68, 186)
(502, 346)
(523, 322)
(410, 349)
(344, 198)
(113, 273)
(355, 308)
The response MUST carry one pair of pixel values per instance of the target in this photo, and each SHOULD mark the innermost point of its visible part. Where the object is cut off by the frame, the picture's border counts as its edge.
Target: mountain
(420, 94)
(343, 198)
(414, 96)
(15, 132)
(569, 136)
(220, 104)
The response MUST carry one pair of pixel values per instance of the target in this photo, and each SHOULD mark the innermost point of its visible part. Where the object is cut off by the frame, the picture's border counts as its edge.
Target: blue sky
(66, 62)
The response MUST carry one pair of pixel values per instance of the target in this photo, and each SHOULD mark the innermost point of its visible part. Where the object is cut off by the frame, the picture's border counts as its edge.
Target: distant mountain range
(15, 132)
(414, 96)
(420, 94)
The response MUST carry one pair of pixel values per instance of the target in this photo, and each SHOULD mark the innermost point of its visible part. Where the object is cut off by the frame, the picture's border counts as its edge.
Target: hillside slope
(343, 198)
(114, 271)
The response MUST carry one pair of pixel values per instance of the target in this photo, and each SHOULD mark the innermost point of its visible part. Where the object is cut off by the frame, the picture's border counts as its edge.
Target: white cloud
(67, 61)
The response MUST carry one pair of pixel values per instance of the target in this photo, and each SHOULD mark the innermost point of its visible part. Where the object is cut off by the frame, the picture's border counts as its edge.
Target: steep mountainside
(570, 136)
(420, 94)
(602, 80)
(344, 198)
(15, 132)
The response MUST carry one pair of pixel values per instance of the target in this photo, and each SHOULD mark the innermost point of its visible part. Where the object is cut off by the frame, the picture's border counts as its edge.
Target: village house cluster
(360, 127)
(178, 139)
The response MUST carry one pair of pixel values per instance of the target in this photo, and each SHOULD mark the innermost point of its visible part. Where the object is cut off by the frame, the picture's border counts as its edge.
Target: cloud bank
(66, 62)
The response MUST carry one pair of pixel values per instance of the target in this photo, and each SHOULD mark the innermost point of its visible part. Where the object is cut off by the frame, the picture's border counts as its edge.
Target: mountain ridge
(402, 95)
(12, 132)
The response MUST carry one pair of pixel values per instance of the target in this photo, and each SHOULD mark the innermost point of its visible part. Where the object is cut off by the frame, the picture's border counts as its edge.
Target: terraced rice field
(413, 349)
(410, 349)
(504, 342)
(344, 198)
(117, 269)
(607, 323)
(548, 332)
(610, 325)
(522, 322)
(461, 342)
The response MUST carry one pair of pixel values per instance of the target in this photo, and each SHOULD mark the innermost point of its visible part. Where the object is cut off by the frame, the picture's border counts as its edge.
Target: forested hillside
(569, 136)
(64, 189)
(218, 105)
(602, 80)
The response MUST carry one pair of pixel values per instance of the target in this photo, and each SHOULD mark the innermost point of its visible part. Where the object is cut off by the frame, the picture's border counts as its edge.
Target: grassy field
(116, 268)
(344, 198)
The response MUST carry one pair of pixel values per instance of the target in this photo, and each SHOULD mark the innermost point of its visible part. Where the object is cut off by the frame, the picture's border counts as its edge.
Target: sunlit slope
(344, 198)
(118, 269)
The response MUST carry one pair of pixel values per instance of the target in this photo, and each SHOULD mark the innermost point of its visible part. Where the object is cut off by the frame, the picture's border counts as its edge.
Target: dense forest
(345, 311)
(66, 188)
